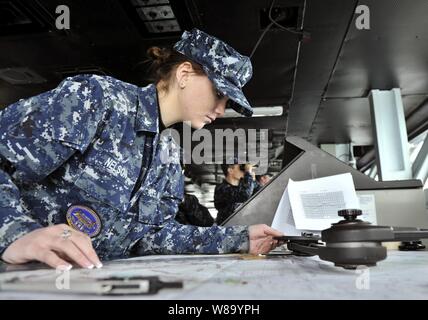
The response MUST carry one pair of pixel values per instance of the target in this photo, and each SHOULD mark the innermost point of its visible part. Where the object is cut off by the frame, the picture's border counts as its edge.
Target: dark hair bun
(158, 55)
(163, 61)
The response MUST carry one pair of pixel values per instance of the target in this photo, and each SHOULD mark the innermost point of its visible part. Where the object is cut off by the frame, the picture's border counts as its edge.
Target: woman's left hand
(261, 238)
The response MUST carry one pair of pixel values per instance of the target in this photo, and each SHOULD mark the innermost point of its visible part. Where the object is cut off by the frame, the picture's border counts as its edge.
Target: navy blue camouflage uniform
(227, 197)
(83, 143)
(94, 142)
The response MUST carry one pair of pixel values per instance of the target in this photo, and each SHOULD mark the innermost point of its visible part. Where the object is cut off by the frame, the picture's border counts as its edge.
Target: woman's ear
(182, 74)
(230, 170)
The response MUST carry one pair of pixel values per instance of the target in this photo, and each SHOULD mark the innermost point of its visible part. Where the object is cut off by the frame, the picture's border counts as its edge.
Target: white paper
(368, 206)
(283, 219)
(312, 205)
(315, 202)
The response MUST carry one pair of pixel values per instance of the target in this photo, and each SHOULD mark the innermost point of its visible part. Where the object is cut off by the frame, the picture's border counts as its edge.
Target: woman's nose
(220, 108)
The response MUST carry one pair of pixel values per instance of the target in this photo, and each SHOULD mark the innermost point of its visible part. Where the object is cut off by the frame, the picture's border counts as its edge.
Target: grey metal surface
(426, 199)
(403, 275)
(375, 58)
(390, 135)
(344, 119)
(400, 207)
(405, 205)
(420, 165)
(317, 60)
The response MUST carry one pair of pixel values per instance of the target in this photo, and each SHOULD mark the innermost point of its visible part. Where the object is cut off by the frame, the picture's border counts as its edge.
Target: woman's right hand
(50, 246)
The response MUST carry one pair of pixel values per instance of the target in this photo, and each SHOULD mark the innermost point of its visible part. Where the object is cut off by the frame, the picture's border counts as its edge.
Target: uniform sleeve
(227, 199)
(257, 186)
(37, 135)
(245, 188)
(175, 238)
(14, 223)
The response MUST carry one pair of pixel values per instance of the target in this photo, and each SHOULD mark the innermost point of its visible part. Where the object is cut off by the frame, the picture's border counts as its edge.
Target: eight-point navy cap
(224, 66)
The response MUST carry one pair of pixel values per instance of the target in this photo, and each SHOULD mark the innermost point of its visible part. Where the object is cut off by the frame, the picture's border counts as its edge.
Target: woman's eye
(219, 94)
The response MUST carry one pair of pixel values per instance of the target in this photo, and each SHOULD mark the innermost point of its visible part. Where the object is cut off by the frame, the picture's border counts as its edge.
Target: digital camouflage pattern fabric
(94, 141)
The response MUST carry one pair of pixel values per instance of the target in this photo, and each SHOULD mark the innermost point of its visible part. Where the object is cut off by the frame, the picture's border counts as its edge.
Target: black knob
(350, 214)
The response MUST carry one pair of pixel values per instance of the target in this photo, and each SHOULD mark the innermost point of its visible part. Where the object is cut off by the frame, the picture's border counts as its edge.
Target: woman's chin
(198, 124)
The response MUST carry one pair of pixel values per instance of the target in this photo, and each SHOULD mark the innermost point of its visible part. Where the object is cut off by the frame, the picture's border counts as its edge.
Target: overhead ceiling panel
(391, 54)
(238, 23)
(327, 22)
(344, 120)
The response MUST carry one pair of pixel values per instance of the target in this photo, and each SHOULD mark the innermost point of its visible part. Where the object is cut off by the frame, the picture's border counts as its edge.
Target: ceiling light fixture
(157, 15)
(274, 111)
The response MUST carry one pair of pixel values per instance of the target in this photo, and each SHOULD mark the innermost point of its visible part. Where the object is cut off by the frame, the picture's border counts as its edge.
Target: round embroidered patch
(84, 219)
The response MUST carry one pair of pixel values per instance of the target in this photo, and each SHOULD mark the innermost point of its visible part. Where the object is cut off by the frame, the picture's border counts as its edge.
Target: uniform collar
(228, 183)
(147, 109)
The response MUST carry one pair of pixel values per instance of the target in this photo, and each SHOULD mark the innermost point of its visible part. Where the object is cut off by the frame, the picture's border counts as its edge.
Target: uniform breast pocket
(105, 179)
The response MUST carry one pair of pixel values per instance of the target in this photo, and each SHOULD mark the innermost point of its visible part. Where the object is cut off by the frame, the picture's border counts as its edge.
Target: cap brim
(239, 103)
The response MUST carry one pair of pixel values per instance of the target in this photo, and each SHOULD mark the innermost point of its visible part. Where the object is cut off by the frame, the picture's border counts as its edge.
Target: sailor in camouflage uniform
(190, 211)
(86, 174)
(237, 187)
